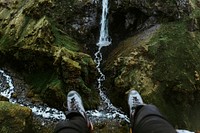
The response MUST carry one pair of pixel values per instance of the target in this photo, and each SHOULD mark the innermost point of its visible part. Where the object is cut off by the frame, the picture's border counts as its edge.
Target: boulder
(15, 118)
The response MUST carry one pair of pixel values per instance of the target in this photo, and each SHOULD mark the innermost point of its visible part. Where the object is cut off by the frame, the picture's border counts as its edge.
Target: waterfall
(104, 36)
(110, 111)
(104, 40)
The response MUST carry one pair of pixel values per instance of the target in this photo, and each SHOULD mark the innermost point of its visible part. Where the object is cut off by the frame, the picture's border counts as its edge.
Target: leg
(77, 120)
(76, 123)
(146, 118)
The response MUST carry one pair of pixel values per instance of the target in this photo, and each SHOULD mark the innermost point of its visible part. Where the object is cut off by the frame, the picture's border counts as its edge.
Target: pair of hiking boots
(74, 103)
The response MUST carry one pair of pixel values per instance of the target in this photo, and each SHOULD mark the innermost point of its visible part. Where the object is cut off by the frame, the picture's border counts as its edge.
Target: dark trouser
(75, 124)
(148, 119)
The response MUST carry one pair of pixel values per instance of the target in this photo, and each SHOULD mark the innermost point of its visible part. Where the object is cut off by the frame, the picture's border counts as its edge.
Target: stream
(7, 89)
(105, 113)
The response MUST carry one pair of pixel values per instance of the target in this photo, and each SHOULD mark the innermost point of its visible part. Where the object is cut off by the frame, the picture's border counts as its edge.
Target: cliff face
(155, 49)
(51, 61)
(169, 8)
(162, 63)
(164, 69)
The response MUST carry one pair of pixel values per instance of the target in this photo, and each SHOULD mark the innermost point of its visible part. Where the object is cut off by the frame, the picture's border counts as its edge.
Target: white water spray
(6, 92)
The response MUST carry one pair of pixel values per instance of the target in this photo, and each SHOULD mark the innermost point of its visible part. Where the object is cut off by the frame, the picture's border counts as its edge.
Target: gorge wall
(155, 49)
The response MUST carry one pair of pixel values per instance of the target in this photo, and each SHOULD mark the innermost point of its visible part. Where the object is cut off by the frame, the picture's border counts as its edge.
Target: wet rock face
(130, 16)
(14, 118)
(127, 17)
(175, 9)
(124, 22)
(77, 18)
(37, 9)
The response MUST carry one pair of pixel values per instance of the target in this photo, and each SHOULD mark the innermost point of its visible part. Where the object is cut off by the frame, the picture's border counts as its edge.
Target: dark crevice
(123, 24)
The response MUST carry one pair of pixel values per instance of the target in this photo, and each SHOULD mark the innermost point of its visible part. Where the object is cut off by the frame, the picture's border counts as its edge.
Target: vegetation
(176, 51)
(14, 118)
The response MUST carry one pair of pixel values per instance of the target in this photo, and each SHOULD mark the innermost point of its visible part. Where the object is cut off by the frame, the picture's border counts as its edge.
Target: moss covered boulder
(14, 118)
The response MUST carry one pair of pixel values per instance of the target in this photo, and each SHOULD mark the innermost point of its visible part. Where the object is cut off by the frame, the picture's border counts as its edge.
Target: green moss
(6, 43)
(47, 87)
(63, 40)
(87, 60)
(72, 64)
(20, 118)
(54, 94)
(27, 29)
(4, 14)
(195, 9)
(176, 52)
(40, 79)
(67, 42)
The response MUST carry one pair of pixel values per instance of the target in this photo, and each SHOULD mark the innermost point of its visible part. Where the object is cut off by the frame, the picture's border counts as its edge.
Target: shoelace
(135, 102)
(74, 106)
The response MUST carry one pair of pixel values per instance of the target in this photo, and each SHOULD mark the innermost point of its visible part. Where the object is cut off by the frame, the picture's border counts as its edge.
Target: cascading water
(4, 91)
(105, 40)
(7, 89)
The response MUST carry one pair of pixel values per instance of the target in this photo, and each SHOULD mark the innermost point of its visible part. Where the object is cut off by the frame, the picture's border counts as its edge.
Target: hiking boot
(75, 104)
(134, 99)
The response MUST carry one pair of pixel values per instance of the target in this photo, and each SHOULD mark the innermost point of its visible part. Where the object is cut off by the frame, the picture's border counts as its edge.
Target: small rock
(2, 98)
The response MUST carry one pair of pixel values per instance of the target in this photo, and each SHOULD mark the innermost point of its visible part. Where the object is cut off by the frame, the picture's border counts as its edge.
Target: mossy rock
(176, 51)
(14, 118)
(169, 8)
